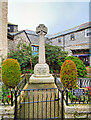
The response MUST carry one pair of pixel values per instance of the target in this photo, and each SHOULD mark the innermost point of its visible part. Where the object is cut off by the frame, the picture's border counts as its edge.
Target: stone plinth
(41, 74)
(41, 70)
(41, 79)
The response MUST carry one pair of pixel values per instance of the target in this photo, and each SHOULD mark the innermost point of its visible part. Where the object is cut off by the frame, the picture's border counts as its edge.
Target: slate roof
(77, 28)
(12, 24)
(30, 32)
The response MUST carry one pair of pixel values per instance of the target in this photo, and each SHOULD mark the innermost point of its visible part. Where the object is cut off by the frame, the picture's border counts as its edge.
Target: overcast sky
(57, 16)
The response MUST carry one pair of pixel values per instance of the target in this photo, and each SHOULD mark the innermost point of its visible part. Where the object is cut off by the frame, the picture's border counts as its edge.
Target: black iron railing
(62, 89)
(8, 98)
(84, 82)
(38, 103)
(70, 98)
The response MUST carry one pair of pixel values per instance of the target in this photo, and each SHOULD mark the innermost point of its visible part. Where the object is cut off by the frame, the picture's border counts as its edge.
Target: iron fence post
(62, 104)
(80, 83)
(25, 80)
(11, 98)
(55, 79)
(15, 117)
(66, 97)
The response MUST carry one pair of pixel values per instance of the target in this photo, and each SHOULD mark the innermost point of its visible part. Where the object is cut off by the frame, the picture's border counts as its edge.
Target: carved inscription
(41, 70)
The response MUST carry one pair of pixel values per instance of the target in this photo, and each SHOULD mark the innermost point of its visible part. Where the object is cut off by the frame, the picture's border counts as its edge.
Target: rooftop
(80, 27)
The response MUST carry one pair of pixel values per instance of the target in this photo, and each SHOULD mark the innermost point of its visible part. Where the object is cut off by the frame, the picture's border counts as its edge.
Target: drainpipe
(63, 43)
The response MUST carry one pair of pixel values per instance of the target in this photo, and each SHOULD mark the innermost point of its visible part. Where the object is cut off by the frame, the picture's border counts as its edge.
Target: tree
(23, 54)
(81, 69)
(53, 54)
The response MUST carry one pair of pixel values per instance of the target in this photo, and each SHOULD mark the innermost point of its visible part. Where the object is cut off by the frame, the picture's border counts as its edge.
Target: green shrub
(68, 74)
(81, 69)
(6, 94)
(10, 72)
(27, 71)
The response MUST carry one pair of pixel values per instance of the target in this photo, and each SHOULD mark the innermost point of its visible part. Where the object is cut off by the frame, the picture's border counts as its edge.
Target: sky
(57, 15)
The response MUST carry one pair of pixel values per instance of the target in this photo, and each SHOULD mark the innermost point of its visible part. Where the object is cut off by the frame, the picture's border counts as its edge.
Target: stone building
(3, 29)
(76, 41)
(12, 27)
(24, 36)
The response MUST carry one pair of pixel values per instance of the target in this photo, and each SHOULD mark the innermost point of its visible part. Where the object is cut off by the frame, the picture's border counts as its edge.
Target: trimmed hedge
(10, 72)
(68, 74)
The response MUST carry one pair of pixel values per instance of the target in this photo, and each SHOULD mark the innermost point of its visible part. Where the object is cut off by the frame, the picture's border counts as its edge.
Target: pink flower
(88, 87)
(54, 71)
(9, 96)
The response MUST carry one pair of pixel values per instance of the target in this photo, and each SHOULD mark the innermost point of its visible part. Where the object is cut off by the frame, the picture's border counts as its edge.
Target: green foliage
(6, 94)
(5, 88)
(27, 71)
(68, 74)
(10, 72)
(60, 62)
(53, 54)
(81, 69)
(24, 56)
(34, 60)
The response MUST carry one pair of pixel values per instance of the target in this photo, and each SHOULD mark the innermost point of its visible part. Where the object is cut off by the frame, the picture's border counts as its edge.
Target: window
(33, 48)
(72, 37)
(8, 29)
(59, 40)
(88, 32)
(37, 48)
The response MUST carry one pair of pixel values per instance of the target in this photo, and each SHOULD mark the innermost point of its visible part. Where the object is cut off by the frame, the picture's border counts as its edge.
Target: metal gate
(38, 104)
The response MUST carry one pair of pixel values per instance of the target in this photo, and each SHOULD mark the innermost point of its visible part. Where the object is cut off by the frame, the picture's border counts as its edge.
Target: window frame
(87, 31)
(72, 37)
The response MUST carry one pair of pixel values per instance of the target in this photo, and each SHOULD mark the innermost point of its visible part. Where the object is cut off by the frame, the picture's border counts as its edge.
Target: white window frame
(87, 31)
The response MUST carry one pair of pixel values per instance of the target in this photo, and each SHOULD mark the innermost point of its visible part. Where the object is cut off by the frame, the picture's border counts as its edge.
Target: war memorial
(41, 95)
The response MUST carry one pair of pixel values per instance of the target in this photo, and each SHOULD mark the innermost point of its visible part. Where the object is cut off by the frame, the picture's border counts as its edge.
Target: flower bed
(86, 98)
(5, 95)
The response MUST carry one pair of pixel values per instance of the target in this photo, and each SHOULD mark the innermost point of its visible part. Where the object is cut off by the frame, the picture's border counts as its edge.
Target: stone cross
(41, 69)
(41, 30)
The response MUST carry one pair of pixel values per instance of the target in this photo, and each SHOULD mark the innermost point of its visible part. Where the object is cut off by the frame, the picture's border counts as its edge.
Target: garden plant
(68, 74)
(81, 69)
(28, 60)
(5, 95)
(53, 54)
(10, 72)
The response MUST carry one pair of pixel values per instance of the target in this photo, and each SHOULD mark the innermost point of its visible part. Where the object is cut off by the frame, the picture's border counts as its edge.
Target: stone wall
(3, 29)
(20, 38)
(77, 111)
(80, 41)
(6, 112)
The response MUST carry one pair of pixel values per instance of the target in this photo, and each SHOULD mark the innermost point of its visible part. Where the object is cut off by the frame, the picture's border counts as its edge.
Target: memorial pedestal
(41, 74)
(41, 79)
